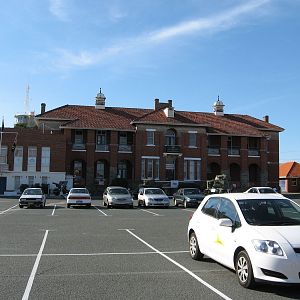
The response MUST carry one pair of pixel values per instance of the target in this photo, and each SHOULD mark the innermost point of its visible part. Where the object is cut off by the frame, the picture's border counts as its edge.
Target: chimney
(156, 104)
(43, 108)
(100, 100)
(266, 119)
(170, 103)
(169, 110)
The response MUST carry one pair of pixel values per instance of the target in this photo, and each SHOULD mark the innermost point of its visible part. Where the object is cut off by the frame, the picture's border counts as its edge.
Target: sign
(174, 184)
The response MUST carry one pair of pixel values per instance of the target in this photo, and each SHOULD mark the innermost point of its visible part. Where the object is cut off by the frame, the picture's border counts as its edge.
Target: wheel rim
(193, 245)
(242, 269)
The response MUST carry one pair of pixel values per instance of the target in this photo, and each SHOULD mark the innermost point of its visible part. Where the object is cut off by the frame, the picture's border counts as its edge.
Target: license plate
(79, 201)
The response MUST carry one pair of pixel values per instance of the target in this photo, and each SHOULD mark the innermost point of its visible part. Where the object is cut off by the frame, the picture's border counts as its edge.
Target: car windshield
(154, 191)
(192, 192)
(79, 191)
(267, 191)
(33, 192)
(118, 191)
(270, 212)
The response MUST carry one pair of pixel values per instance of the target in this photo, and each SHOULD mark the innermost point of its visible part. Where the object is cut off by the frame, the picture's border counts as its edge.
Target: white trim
(150, 129)
(192, 131)
(151, 157)
(192, 158)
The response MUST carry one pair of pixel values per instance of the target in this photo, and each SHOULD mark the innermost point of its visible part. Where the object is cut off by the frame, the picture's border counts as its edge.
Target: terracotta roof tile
(289, 169)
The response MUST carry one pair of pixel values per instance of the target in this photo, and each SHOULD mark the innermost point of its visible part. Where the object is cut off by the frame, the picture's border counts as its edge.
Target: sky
(190, 51)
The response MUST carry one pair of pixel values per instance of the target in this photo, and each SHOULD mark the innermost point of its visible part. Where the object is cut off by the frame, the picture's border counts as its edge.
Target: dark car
(188, 197)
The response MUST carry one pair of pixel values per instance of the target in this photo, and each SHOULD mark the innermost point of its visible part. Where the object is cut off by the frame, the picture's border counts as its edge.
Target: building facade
(95, 145)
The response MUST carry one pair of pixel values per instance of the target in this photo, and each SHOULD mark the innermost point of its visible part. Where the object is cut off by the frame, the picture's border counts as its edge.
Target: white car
(79, 196)
(153, 197)
(117, 196)
(32, 197)
(257, 235)
(261, 190)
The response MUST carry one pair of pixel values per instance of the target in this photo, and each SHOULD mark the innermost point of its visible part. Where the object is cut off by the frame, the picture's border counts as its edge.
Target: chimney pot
(43, 108)
(266, 119)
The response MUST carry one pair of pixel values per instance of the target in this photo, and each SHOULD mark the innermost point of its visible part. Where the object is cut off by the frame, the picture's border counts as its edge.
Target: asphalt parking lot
(100, 253)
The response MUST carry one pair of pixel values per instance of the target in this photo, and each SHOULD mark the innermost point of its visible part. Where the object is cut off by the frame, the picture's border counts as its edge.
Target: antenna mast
(27, 99)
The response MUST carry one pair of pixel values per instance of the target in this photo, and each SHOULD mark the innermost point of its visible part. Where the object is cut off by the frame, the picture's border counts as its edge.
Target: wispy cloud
(58, 9)
(216, 23)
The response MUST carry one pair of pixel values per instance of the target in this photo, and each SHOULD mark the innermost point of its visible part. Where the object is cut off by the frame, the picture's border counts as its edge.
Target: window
(150, 137)
(211, 206)
(31, 164)
(150, 168)
(44, 180)
(123, 138)
(3, 155)
(122, 170)
(192, 139)
(45, 161)
(17, 182)
(192, 169)
(30, 180)
(170, 137)
(100, 170)
(18, 159)
(78, 137)
(227, 210)
(294, 181)
(78, 168)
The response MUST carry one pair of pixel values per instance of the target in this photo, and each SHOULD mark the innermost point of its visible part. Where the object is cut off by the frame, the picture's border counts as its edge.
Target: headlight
(150, 199)
(267, 246)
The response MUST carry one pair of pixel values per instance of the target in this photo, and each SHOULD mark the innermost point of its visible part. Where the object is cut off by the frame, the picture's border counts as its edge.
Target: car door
(205, 225)
(225, 237)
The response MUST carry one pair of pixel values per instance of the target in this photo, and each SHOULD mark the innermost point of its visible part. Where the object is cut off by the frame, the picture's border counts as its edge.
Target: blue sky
(189, 51)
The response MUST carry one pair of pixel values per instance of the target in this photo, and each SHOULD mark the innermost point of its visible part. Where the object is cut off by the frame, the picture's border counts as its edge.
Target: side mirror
(225, 222)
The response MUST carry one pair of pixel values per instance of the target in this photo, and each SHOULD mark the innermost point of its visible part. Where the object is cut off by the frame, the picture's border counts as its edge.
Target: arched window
(235, 172)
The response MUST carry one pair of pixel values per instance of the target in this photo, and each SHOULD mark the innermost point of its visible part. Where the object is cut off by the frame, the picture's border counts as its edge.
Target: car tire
(68, 205)
(185, 205)
(244, 271)
(195, 252)
(175, 203)
(20, 205)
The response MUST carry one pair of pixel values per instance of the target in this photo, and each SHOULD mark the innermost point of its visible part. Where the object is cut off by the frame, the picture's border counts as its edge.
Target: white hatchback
(257, 235)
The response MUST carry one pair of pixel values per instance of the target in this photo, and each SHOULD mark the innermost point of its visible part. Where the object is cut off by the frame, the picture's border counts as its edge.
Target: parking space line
(4, 211)
(181, 267)
(150, 212)
(53, 210)
(101, 211)
(34, 269)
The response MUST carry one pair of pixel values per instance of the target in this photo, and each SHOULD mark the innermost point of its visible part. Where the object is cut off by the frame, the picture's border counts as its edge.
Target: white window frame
(150, 137)
(192, 169)
(150, 168)
(18, 159)
(45, 159)
(192, 139)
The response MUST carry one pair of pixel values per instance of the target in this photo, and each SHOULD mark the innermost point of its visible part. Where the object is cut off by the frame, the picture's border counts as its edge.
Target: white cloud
(58, 9)
(215, 23)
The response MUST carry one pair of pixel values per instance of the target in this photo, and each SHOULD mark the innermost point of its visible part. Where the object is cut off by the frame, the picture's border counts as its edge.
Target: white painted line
(189, 210)
(4, 211)
(181, 267)
(53, 210)
(150, 212)
(93, 254)
(101, 211)
(35, 267)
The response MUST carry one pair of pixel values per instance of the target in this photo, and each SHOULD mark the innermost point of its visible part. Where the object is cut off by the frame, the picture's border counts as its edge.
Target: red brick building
(162, 144)
(289, 175)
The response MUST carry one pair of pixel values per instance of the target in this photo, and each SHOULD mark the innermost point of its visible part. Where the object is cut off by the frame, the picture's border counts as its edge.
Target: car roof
(116, 187)
(249, 196)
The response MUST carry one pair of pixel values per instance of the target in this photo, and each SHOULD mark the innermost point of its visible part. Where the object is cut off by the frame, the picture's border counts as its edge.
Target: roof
(289, 169)
(88, 117)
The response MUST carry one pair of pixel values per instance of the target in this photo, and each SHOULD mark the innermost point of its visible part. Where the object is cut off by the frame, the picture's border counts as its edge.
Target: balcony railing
(253, 152)
(102, 147)
(78, 146)
(174, 149)
(213, 151)
(234, 151)
(125, 148)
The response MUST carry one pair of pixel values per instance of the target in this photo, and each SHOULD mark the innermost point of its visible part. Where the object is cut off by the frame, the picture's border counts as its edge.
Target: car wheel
(244, 270)
(68, 205)
(20, 205)
(194, 247)
(175, 202)
(104, 203)
(185, 204)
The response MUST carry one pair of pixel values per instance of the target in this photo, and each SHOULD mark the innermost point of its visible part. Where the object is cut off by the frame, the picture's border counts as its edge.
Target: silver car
(117, 196)
(32, 197)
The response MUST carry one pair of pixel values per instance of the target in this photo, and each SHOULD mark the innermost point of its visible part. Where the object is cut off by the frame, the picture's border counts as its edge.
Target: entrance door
(2, 185)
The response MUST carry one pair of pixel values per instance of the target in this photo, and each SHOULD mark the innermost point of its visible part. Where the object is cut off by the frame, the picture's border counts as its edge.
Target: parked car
(153, 197)
(79, 196)
(257, 235)
(32, 197)
(188, 197)
(117, 196)
(261, 190)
